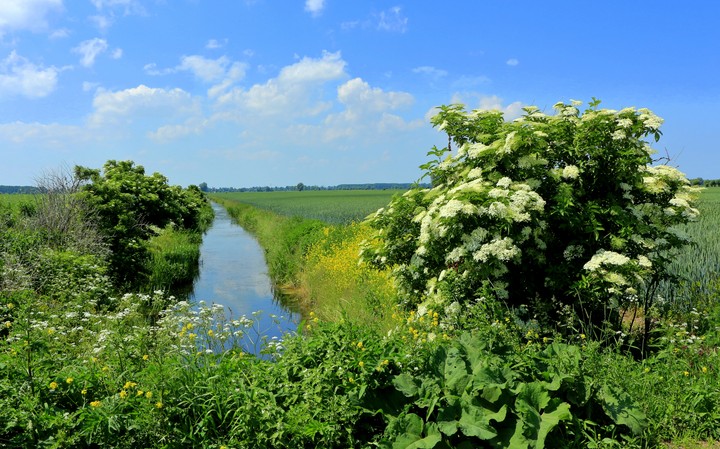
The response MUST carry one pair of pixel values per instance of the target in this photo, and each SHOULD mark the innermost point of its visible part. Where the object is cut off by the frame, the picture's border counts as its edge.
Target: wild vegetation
(385, 366)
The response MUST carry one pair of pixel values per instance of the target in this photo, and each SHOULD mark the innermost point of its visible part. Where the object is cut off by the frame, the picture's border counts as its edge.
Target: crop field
(699, 263)
(330, 206)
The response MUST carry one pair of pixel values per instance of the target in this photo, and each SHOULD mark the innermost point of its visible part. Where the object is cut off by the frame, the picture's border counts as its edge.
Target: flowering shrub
(564, 214)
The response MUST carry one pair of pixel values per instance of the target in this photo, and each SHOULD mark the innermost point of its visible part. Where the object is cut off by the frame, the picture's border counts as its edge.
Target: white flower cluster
(570, 172)
(603, 258)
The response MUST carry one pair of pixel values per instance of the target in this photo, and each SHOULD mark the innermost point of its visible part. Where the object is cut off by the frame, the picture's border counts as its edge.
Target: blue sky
(261, 92)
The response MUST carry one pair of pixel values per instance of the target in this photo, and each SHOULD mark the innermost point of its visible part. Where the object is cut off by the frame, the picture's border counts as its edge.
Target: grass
(329, 206)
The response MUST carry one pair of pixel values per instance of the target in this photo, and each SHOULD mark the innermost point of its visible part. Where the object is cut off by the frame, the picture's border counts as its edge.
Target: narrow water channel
(233, 273)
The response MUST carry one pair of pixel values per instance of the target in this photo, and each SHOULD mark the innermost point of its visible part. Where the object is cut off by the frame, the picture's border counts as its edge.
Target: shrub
(563, 214)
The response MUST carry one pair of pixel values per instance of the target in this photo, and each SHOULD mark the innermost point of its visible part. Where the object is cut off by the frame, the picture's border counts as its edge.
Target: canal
(233, 273)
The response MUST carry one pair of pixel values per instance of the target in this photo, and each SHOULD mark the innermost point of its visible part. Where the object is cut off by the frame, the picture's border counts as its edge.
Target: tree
(130, 208)
(203, 187)
(300, 187)
(562, 215)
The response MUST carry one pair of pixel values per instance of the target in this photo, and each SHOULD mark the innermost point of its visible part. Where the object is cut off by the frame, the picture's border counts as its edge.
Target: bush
(561, 215)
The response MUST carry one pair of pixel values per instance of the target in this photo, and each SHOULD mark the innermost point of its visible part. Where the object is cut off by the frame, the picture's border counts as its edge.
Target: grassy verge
(318, 265)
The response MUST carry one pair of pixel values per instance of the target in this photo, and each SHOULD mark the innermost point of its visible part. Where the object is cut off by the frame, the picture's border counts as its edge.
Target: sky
(240, 93)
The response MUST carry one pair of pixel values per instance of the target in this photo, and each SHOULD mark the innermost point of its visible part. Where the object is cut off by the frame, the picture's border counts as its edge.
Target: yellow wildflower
(210, 333)
(50, 331)
(361, 364)
(95, 404)
(53, 385)
(158, 405)
(704, 369)
(686, 373)
(146, 357)
(83, 392)
(140, 393)
(123, 394)
(148, 394)
(8, 324)
(129, 385)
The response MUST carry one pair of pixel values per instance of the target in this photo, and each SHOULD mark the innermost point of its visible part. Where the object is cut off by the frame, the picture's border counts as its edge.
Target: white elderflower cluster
(501, 249)
(649, 119)
(570, 172)
(604, 258)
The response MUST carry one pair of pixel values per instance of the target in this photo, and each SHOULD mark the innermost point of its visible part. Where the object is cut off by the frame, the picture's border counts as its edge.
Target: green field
(330, 206)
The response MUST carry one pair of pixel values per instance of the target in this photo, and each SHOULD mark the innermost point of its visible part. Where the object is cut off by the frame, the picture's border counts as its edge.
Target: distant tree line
(705, 182)
(300, 187)
(18, 189)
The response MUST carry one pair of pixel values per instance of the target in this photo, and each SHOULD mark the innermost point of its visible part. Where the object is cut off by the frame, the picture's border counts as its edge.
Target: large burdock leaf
(413, 436)
(622, 409)
(475, 421)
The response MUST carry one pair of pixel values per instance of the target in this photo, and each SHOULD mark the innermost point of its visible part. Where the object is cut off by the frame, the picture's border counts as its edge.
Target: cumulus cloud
(367, 109)
(314, 7)
(18, 76)
(140, 103)
(26, 14)
(89, 50)
(512, 62)
(297, 90)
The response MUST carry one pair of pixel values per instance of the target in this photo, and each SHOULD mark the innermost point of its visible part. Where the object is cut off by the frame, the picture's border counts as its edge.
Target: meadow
(83, 365)
(329, 206)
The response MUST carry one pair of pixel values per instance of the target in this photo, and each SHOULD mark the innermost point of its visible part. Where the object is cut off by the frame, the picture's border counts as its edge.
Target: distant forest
(301, 186)
(18, 189)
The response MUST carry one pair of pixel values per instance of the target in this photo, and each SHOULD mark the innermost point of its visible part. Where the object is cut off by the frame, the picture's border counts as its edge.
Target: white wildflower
(619, 134)
(603, 257)
(570, 172)
(624, 123)
(504, 182)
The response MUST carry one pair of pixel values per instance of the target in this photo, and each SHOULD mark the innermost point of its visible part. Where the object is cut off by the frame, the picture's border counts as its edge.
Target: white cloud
(52, 134)
(392, 20)
(367, 111)
(26, 14)
(490, 103)
(207, 70)
(117, 53)
(220, 70)
(357, 94)
(296, 91)
(214, 44)
(101, 22)
(60, 33)
(512, 62)
(127, 6)
(167, 133)
(142, 103)
(432, 72)
(18, 76)
(89, 50)
(314, 7)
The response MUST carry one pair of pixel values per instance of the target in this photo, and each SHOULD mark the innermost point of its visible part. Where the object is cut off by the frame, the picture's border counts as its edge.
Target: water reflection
(233, 273)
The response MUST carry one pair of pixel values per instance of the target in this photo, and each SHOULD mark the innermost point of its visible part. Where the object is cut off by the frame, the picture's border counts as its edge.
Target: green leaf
(413, 439)
(475, 421)
(622, 409)
(456, 374)
(405, 383)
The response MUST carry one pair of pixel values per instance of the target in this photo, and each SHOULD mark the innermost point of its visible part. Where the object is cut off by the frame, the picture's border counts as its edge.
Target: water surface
(233, 273)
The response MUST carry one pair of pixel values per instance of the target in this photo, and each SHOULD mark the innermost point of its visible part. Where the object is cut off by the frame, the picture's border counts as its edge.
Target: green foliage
(131, 206)
(563, 214)
(477, 393)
